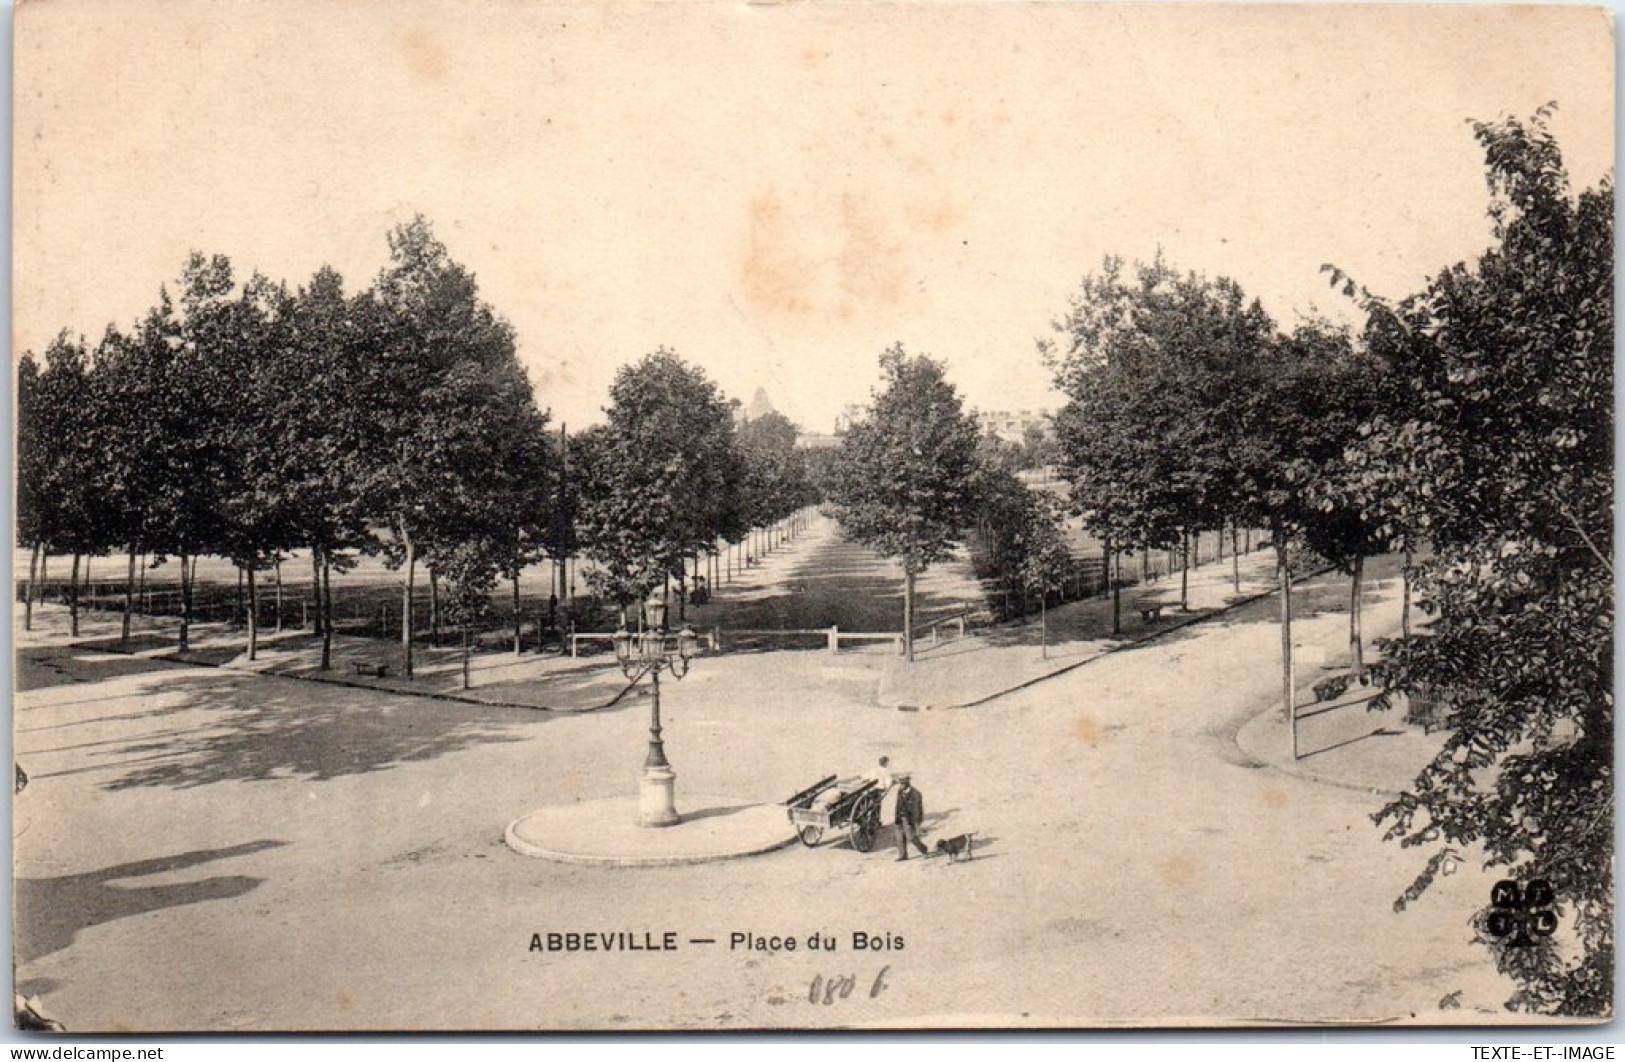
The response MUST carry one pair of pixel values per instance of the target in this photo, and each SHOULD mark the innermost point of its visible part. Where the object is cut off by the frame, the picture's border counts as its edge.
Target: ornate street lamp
(647, 653)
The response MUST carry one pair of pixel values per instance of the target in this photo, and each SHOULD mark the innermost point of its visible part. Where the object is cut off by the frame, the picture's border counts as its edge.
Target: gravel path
(209, 849)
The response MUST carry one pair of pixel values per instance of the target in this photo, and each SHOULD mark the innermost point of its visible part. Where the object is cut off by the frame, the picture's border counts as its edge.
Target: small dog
(956, 847)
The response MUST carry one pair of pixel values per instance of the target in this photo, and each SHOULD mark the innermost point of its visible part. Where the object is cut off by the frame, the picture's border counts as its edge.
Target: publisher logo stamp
(1521, 912)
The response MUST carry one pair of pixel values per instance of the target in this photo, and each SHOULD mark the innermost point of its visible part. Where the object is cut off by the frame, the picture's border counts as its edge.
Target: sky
(779, 192)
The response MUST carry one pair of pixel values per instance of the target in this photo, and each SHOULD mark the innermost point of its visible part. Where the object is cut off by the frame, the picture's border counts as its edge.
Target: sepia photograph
(527, 515)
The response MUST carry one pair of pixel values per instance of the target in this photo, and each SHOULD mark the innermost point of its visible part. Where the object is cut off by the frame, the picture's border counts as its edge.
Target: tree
(57, 440)
(775, 481)
(259, 514)
(1347, 390)
(1157, 366)
(1293, 421)
(904, 480)
(1021, 540)
(189, 357)
(470, 570)
(1045, 560)
(322, 432)
(129, 387)
(521, 508)
(33, 472)
(444, 391)
(1503, 459)
(660, 480)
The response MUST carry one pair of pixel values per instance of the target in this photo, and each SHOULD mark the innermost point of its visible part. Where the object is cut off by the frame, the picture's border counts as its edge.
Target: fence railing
(709, 639)
(934, 628)
(717, 640)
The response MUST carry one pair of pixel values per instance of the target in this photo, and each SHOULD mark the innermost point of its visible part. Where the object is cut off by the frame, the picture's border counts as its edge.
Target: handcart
(830, 804)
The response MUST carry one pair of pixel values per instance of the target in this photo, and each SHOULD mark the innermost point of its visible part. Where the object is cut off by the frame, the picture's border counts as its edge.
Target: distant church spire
(759, 405)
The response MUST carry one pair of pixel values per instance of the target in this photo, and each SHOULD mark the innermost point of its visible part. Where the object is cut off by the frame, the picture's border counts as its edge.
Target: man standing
(910, 810)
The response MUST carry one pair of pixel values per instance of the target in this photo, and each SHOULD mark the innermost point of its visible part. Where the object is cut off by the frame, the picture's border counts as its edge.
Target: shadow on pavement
(253, 728)
(52, 911)
(43, 667)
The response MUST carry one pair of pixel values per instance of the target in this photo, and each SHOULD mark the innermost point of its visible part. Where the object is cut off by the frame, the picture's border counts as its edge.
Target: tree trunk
(1184, 571)
(28, 591)
(129, 599)
(434, 607)
(518, 645)
(908, 614)
(186, 604)
(237, 616)
(1235, 560)
(253, 616)
(466, 653)
(406, 599)
(324, 608)
(1111, 563)
(73, 598)
(1284, 576)
(316, 585)
(277, 569)
(1405, 601)
(1105, 587)
(1043, 625)
(1145, 566)
(1356, 642)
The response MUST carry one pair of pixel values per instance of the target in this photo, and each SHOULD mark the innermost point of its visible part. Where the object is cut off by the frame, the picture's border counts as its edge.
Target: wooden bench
(1150, 613)
(369, 667)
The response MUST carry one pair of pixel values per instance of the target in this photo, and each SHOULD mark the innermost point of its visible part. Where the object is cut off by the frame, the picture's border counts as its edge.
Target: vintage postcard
(529, 515)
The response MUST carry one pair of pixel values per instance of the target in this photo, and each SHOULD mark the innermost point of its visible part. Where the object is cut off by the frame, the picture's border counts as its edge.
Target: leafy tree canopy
(904, 478)
(1499, 452)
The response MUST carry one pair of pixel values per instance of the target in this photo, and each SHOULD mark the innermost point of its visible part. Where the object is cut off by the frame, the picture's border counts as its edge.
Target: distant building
(813, 441)
(849, 415)
(1013, 425)
(760, 406)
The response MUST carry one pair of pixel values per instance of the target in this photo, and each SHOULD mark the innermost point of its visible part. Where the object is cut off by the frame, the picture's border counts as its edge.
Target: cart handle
(806, 795)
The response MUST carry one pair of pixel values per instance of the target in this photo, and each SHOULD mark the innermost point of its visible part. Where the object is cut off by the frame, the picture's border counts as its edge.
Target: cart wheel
(866, 822)
(811, 835)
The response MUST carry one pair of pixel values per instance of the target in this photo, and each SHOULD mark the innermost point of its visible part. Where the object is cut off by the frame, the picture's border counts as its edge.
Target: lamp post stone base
(657, 805)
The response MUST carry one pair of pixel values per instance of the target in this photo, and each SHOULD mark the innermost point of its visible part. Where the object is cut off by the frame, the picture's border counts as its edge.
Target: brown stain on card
(871, 263)
(939, 216)
(843, 258)
(1087, 731)
(1274, 798)
(424, 55)
(775, 276)
(1178, 871)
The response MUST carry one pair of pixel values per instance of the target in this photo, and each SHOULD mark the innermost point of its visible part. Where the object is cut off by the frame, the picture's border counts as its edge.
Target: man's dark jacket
(910, 806)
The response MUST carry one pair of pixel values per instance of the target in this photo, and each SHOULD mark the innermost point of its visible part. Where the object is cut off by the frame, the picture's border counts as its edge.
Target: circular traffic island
(606, 832)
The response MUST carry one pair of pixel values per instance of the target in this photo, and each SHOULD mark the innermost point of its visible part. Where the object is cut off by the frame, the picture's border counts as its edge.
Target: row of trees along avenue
(912, 476)
(670, 476)
(245, 420)
(1468, 427)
